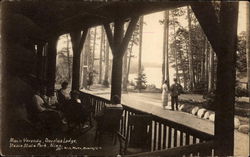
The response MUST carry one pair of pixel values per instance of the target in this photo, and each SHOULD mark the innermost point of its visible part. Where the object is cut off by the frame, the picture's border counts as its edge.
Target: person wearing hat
(175, 91)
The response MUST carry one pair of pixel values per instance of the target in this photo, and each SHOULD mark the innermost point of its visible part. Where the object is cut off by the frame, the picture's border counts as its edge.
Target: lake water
(154, 75)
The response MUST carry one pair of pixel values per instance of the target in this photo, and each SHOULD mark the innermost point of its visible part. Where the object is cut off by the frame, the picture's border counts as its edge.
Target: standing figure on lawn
(90, 80)
(175, 91)
(164, 95)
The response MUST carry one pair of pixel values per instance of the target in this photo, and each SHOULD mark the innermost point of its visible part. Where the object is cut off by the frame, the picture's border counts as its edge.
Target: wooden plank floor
(86, 138)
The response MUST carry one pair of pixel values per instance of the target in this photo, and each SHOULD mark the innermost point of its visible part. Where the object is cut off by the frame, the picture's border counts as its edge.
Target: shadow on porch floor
(88, 145)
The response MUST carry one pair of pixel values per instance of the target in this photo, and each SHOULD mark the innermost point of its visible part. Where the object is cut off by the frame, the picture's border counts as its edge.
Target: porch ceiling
(64, 16)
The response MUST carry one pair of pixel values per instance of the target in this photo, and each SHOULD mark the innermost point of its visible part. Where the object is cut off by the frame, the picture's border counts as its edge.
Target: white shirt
(164, 89)
(39, 103)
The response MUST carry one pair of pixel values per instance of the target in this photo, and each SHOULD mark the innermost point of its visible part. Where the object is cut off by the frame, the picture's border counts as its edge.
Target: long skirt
(164, 99)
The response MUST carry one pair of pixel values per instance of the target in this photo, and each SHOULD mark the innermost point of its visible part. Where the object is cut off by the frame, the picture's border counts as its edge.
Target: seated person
(74, 110)
(62, 94)
(42, 112)
(47, 100)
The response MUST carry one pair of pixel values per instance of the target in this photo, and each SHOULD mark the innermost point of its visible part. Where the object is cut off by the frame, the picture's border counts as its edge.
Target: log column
(77, 39)
(221, 31)
(51, 66)
(39, 69)
(118, 45)
(226, 72)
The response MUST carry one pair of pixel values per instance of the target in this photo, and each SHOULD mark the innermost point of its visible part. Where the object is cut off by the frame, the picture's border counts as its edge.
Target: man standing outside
(175, 91)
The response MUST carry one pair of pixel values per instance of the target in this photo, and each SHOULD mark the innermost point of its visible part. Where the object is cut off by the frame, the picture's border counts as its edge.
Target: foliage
(141, 81)
(131, 83)
(241, 64)
(106, 83)
(62, 70)
(64, 62)
(179, 46)
(240, 91)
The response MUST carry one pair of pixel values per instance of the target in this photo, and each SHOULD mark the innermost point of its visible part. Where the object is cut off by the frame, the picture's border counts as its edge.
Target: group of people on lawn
(174, 91)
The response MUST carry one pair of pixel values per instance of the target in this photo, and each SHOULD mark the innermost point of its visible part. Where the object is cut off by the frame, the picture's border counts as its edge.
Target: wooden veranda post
(39, 65)
(77, 39)
(221, 31)
(226, 73)
(51, 66)
(118, 45)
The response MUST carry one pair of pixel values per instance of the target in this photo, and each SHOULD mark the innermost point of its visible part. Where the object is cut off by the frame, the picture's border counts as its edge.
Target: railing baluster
(187, 138)
(164, 136)
(155, 129)
(175, 138)
(125, 124)
(181, 138)
(194, 140)
(169, 137)
(159, 136)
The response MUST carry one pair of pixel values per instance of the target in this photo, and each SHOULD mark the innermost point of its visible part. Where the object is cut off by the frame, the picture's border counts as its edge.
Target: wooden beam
(226, 72)
(109, 34)
(119, 47)
(118, 36)
(39, 68)
(77, 40)
(248, 48)
(128, 34)
(116, 80)
(206, 15)
(51, 66)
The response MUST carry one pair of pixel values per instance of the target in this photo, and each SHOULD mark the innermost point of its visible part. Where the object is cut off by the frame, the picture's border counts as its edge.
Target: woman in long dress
(164, 94)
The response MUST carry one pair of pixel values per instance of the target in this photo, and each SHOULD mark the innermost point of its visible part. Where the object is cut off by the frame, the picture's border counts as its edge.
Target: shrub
(240, 92)
(141, 81)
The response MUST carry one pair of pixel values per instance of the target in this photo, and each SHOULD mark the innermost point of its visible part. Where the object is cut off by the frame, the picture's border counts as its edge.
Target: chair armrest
(120, 135)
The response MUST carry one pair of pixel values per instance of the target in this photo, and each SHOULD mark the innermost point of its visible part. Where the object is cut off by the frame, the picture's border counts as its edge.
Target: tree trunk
(211, 71)
(125, 60)
(85, 60)
(206, 64)
(190, 54)
(203, 61)
(100, 56)
(183, 71)
(175, 53)
(248, 49)
(140, 51)
(165, 64)
(129, 60)
(93, 54)
(106, 74)
(125, 68)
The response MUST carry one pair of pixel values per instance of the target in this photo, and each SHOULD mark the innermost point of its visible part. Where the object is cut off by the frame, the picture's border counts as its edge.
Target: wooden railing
(165, 134)
(200, 149)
